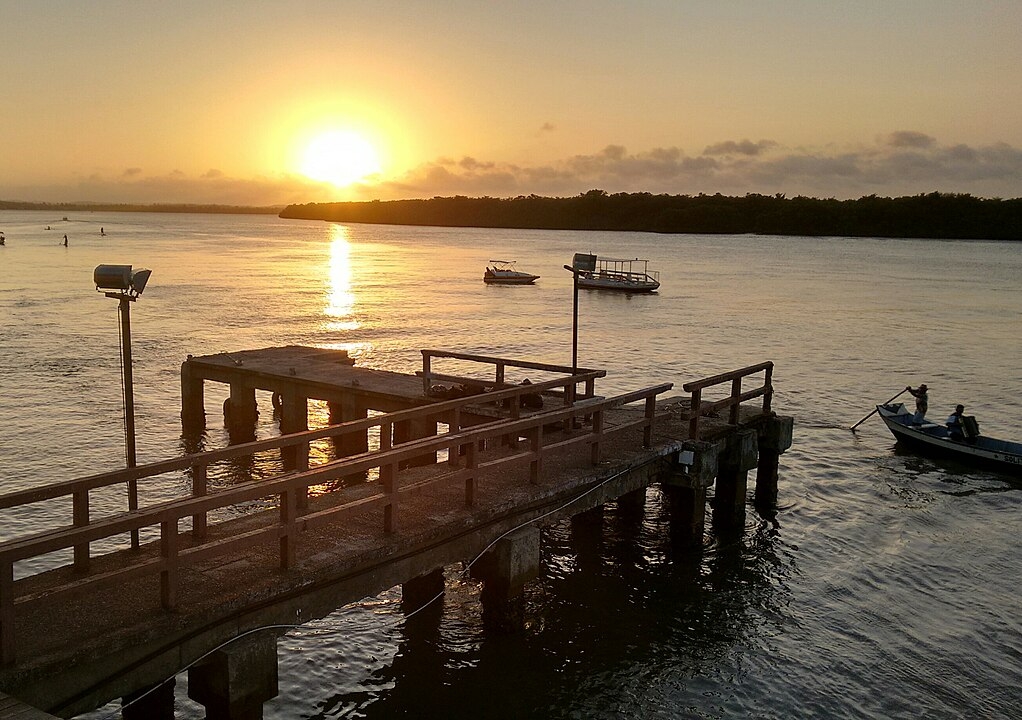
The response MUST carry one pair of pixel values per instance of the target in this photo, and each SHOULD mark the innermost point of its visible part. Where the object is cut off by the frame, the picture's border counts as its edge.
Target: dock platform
(390, 508)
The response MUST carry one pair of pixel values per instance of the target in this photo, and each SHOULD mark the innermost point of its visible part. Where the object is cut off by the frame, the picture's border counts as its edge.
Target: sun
(340, 157)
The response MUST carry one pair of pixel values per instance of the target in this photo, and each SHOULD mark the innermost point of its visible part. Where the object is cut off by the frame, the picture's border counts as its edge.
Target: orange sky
(116, 101)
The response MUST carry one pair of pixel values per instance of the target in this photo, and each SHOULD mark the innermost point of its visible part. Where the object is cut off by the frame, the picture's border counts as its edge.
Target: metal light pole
(124, 310)
(580, 263)
(574, 319)
(121, 284)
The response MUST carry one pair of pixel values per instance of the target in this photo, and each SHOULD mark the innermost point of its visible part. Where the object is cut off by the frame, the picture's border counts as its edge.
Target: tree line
(930, 215)
(136, 207)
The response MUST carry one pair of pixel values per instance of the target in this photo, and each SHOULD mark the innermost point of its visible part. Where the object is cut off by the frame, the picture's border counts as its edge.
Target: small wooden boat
(936, 440)
(630, 276)
(503, 272)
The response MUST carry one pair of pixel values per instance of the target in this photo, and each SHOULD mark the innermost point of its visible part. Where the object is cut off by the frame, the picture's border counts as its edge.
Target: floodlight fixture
(123, 284)
(120, 281)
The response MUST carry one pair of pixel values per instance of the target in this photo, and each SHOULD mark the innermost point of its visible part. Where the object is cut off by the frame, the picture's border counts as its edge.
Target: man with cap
(922, 402)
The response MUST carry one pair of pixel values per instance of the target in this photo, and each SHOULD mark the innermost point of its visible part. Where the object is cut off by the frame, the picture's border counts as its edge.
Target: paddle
(875, 409)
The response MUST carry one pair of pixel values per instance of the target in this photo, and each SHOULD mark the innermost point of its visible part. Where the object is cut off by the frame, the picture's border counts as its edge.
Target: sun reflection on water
(340, 307)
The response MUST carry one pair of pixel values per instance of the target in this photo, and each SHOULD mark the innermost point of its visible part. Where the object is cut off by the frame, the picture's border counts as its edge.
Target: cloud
(901, 163)
(910, 139)
(744, 147)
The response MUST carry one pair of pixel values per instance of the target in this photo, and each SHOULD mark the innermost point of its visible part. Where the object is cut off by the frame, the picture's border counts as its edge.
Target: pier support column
(240, 414)
(685, 490)
(294, 417)
(408, 430)
(155, 703)
(631, 508)
(587, 537)
(633, 502)
(234, 682)
(348, 409)
(740, 455)
(193, 411)
(419, 591)
(505, 569)
(774, 438)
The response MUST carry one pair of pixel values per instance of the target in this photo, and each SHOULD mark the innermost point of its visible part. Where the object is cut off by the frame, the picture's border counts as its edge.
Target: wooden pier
(456, 464)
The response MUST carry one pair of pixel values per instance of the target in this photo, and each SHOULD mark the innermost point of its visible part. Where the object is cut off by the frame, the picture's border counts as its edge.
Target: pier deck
(321, 373)
(115, 622)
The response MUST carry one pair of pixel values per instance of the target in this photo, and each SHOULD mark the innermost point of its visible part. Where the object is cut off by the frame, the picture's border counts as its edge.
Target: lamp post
(124, 285)
(580, 263)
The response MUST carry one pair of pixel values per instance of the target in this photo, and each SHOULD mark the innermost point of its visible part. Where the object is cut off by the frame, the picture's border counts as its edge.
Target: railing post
(536, 446)
(647, 430)
(454, 449)
(288, 540)
(590, 387)
(80, 511)
(693, 423)
(472, 463)
(768, 387)
(499, 374)
(6, 612)
(426, 381)
(596, 451)
(199, 490)
(736, 391)
(388, 477)
(511, 439)
(169, 573)
(569, 400)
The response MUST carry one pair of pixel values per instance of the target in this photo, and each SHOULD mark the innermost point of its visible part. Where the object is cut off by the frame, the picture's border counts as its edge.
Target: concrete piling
(775, 436)
(240, 414)
(505, 569)
(232, 683)
(419, 591)
(739, 456)
(684, 488)
(193, 412)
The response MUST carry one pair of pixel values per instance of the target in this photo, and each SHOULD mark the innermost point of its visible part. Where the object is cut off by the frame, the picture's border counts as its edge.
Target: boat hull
(934, 440)
(596, 283)
(518, 279)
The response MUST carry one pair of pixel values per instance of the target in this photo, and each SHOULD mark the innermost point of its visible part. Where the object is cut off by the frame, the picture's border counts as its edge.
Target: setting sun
(340, 157)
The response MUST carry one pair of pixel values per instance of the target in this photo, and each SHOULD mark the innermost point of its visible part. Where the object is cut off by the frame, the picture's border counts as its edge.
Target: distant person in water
(65, 241)
(101, 232)
(922, 401)
(3, 240)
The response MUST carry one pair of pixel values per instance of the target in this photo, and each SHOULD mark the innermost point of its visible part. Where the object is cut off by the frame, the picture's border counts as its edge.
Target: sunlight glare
(341, 300)
(340, 157)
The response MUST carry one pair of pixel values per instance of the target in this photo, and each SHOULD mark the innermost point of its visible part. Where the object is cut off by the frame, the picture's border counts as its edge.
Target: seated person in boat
(955, 424)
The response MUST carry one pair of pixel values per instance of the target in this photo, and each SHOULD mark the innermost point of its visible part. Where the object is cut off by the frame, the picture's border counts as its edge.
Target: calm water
(886, 585)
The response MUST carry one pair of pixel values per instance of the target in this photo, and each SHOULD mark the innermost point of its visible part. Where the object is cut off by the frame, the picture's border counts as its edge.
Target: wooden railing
(463, 445)
(736, 398)
(499, 367)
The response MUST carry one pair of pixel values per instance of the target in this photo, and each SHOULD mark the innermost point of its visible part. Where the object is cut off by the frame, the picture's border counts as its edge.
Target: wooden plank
(13, 709)
(111, 577)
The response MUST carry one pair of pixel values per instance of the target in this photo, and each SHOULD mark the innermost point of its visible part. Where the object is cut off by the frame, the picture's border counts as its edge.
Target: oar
(875, 409)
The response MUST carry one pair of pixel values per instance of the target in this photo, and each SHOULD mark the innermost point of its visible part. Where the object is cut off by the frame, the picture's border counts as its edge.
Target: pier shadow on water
(617, 605)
